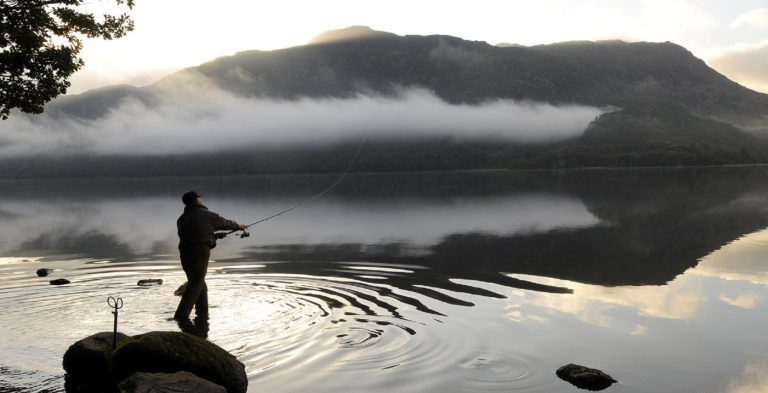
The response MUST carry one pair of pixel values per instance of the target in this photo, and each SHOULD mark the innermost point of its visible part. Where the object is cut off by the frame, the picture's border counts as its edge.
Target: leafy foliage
(40, 41)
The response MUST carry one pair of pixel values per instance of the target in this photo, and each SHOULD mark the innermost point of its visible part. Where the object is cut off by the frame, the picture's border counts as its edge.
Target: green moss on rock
(87, 363)
(169, 352)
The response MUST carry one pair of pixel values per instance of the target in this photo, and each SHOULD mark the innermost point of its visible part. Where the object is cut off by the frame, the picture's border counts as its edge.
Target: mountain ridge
(600, 73)
(672, 109)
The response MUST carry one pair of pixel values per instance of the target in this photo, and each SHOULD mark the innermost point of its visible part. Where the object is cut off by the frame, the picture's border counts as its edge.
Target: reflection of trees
(657, 224)
(91, 244)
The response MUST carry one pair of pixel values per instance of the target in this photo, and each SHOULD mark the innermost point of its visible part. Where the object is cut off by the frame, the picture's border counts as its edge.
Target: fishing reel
(244, 234)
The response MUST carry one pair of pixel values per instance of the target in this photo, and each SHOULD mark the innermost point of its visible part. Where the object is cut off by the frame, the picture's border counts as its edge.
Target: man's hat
(189, 197)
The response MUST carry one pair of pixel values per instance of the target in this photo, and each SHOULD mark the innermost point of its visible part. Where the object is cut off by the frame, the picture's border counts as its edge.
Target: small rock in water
(585, 377)
(150, 282)
(59, 281)
(181, 289)
(42, 272)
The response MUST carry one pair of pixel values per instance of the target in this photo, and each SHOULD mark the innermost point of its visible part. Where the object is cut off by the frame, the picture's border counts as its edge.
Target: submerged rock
(169, 352)
(86, 363)
(59, 281)
(585, 377)
(181, 381)
(150, 282)
(181, 289)
(42, 272)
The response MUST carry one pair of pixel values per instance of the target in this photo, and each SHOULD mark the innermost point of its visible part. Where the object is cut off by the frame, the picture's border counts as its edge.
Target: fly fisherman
(196, 228)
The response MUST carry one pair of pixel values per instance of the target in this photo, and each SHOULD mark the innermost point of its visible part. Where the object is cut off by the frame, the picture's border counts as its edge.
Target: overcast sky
(732, 36)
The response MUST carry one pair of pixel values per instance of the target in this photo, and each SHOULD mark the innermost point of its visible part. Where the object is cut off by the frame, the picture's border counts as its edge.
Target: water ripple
(278, 324)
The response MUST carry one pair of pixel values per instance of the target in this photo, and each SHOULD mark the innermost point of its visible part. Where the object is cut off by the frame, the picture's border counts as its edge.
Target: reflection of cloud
(744, 63)
(754, 18)
(753, 379)
(639, 330)
(147, 225)
(15, 260)
(423, 223)
(100, 228)
(743, 259)
(680, 299)
(745, 300)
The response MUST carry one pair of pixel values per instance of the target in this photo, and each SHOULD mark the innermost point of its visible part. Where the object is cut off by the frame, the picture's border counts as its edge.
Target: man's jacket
(196, 226)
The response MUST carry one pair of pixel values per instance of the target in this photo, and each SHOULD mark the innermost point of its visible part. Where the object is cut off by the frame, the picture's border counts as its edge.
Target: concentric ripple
(292, 331)
(499, 371)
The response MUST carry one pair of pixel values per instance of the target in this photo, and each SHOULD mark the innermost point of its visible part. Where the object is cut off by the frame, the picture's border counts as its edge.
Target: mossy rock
(182, 381)
(169, 352)
(87, 363)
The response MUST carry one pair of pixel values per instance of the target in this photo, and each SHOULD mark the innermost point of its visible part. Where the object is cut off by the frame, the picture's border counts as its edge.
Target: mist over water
(202, 118)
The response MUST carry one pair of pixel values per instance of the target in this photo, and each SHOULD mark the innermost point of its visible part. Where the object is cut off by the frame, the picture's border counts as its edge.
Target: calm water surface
(453, 282)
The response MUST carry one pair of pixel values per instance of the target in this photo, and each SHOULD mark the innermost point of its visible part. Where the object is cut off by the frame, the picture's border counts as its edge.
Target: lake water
(429, 282)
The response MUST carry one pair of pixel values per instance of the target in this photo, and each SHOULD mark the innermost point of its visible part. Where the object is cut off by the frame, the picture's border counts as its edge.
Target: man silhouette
(196, 228)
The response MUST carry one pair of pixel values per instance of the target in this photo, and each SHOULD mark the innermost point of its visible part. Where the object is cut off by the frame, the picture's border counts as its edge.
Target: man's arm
(222, 224)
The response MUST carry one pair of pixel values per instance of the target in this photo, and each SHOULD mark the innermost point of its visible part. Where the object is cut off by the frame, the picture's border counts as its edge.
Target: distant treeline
(435, 155)
(638, 136)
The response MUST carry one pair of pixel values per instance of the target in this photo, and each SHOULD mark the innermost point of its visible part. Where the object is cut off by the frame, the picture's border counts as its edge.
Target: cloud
(745, 64)
(745, 300)
(753, 379)
(757, 18)
(205, 119)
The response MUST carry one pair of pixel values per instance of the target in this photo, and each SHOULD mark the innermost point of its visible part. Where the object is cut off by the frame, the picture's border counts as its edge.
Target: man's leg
(201, 306)
(194, 260)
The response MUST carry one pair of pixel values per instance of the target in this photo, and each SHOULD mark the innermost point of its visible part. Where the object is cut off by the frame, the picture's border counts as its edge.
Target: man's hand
(241, 226)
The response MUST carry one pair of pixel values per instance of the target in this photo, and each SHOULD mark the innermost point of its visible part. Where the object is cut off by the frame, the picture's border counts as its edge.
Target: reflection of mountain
(651, 225)
(660, 223)
(71, 244)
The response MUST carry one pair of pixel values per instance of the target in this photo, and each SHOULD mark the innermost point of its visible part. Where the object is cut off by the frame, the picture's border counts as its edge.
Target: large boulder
(87, 364)
(169, 352)
(585, 377)
(181, 381)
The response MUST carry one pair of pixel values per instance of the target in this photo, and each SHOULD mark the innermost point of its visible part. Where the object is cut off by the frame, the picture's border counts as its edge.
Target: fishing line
(349, 166)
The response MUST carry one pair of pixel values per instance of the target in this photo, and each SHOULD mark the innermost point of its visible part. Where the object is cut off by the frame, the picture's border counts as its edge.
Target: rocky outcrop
(181, 381)
(585, 377)
(86, 363)
(169, 352)
(155, 361)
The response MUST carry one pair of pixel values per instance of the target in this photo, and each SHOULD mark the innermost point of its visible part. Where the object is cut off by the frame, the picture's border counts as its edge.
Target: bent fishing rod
(245, 232)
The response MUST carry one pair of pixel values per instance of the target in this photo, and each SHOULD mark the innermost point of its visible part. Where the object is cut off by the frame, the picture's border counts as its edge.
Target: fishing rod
(333, 185)
(245, 232)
